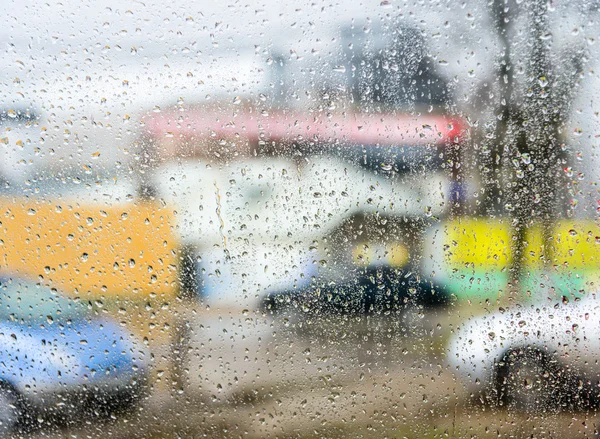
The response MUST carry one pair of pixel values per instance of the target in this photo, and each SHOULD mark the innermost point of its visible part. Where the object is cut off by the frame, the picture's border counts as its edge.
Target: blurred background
(299, 219)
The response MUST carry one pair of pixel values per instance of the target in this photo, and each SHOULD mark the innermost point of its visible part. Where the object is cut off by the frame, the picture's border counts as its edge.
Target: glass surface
(26, 301)
(299, 219)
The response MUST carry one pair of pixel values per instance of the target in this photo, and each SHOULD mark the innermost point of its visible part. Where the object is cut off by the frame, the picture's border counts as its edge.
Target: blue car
(57, 355)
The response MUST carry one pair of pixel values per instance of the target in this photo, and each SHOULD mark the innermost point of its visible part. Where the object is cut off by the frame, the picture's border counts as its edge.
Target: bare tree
(527, 160)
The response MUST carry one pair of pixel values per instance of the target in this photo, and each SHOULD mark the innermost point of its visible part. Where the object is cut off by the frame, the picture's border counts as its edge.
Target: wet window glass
(26, 300)
(299, 219)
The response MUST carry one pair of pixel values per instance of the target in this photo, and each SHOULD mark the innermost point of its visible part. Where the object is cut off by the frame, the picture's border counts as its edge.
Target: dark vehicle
(374, 290)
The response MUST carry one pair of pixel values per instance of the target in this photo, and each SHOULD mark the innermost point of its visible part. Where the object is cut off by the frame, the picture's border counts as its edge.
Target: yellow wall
(126, 250)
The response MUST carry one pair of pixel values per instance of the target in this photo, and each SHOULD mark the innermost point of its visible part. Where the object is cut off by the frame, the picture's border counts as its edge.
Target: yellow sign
(576, 245)
(477, 242)
(485, 243)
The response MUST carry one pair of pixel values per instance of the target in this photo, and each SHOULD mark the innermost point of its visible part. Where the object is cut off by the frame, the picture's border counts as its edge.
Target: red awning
(351, 128)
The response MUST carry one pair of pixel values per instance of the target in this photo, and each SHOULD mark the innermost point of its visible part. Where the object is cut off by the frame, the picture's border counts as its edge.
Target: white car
(539, 357)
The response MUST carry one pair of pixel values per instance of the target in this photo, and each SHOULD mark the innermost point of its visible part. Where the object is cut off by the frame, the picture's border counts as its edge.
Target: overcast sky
(224, 44)
(109, 59)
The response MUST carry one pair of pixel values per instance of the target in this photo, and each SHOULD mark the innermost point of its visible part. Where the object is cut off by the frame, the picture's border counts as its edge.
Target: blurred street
(334, 378)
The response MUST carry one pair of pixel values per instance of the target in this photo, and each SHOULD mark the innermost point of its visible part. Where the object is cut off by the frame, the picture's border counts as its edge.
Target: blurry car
(279, 280)
(376, 289)
(58, 357)
(537, 358)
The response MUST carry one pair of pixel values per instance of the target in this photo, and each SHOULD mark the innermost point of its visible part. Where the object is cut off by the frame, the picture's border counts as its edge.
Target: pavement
(241, 374)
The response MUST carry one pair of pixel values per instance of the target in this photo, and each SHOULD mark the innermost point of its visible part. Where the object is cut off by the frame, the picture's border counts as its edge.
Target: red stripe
(383, 129)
